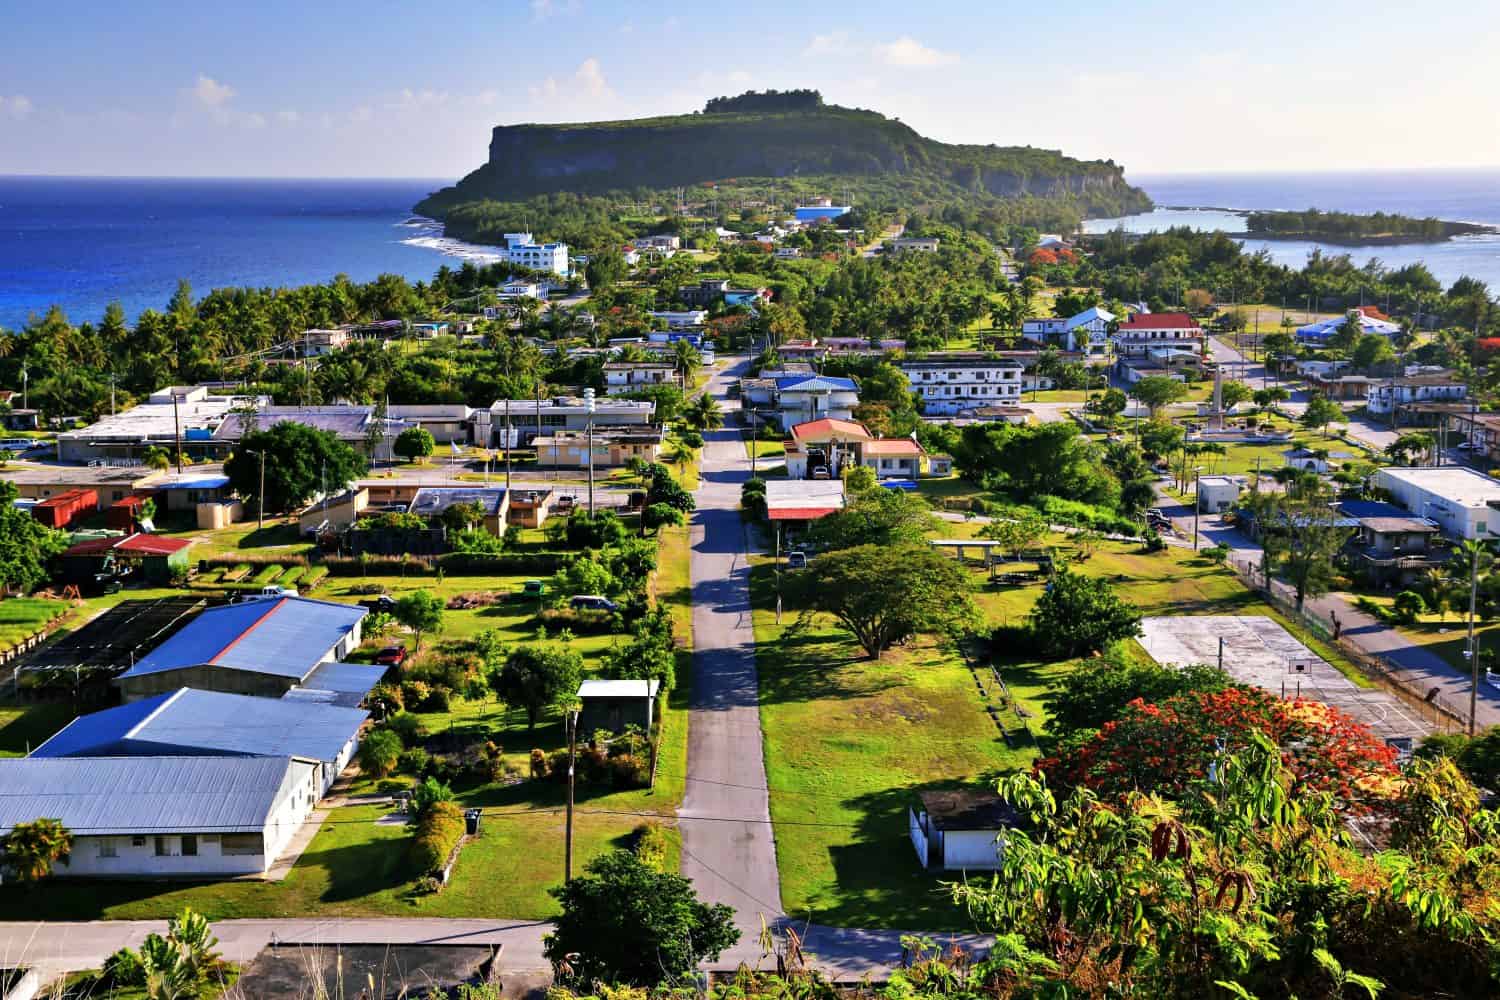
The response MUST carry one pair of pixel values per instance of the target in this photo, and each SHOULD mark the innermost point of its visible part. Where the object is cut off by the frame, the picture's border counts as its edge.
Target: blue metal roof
(815, 383)
(145, 795)
(284, 637)
(340, 683)
(193, 723)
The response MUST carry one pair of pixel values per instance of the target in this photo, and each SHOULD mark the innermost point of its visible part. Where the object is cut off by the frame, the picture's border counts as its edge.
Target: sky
(393, 88)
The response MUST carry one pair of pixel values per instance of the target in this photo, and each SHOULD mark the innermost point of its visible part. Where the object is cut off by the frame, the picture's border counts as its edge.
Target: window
(107, 848)
(161, 848)
(189, 845)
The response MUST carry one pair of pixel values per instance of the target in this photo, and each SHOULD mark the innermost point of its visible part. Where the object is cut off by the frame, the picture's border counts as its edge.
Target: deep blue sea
(82, 242)
(1455, 195)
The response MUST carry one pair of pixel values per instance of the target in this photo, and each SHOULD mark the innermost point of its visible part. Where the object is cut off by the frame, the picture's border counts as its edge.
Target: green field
(23, 617)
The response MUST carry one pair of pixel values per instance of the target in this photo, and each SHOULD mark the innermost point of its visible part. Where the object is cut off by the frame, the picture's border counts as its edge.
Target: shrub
(407, 727)
(581, 622)
(429, 794)
(651, 845)
(125, 968)
(412, 761)
(1407, 606)
(439, 699)
(391, 786)
(386, 698)
(439, 830)
(628, 771)
(379, 752)
(414, 693)
(538, 764)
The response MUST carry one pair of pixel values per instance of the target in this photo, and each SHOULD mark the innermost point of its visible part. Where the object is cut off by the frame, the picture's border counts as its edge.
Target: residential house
(1392, 547)
(629, 376)
(317, 343)
(193, 723)
(1086, 333)
(893, 458)
(787, 253)
(912, 244)
(531, 507)
(952, 382)
(1131, 372)
(517, 289)
(1141, 333)
(1481, 432)
(706, 293)
(1340, 387)
(612, 705)
(830, 444)
(334, 512)
(801, 398)
(665, 242)
(1402, 396)
(530, 418)
(493, 501)
(689, 319)
(164, 817)
(261, 647)
(959, 830)
(746, 296)
(1455, 498)
(794, 503)
(611, 448)
(1217, 494)
(1308, 460)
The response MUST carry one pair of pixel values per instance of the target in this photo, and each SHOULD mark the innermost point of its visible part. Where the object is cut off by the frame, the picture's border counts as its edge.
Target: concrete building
(1216, 494)
(800, 398)
(164, 817)
(1399, 395)
(333, 513)
(797, 501)
(960, 829)
(612, 448)
(430, 502)
(446, 422)
(530, 418)
(1370, 319)
(1142, 333)
(349, 423)
(261, 647)
(951, 382)
(1086, 333)
(912, 244)
(1453, 497)
(893, 458)
(317, 343)
(523, 252)
(628, 376)
(110, 483)
(124, 437)
(681, 319)
(658, 243)
(192, 723)
(613, 705)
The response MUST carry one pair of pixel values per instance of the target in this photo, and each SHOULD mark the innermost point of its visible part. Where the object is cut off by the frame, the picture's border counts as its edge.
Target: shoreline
(1465, 229)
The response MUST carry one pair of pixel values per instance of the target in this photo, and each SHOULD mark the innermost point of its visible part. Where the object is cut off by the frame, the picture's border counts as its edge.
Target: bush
(391, 786)
(386, 698)
(379, 752)
(407, 727)
(1407, 606)
(414, 693)
(428, 794)
(581, 622)
(438, 831)
(412, 761)
(1058, 510)
(439, 699)
(651, 845)
(125, 968)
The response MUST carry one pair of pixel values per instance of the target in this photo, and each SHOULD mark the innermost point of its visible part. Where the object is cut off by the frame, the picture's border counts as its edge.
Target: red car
(391, 656)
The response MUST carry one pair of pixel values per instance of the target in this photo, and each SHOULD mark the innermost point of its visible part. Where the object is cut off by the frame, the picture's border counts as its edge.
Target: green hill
(752, 145)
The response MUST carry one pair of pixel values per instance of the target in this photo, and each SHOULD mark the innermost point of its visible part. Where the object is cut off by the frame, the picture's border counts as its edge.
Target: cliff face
(528, 160)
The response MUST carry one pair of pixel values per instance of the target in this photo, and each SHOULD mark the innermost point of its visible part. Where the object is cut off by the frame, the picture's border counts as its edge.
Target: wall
(140, 860)
(972, 849)
(205, 678)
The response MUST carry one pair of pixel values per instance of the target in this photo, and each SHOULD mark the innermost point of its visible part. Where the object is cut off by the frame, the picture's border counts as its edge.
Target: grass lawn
(25, 726)
(1448, 636)
(1056, 396)
(940, 490)
(764, 449)
(23, 617)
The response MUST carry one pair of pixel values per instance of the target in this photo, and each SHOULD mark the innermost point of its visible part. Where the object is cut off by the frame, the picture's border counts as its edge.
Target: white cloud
(210, 92)
(832, 44)
(907, 51)
(16, 107)
(588, 80)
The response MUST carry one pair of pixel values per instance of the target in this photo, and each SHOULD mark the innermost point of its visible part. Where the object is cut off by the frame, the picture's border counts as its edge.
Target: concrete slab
(370, 971)
(1259, 651)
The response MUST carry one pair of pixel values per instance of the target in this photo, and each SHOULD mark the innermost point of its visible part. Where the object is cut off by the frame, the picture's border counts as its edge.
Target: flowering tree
(1168, 747)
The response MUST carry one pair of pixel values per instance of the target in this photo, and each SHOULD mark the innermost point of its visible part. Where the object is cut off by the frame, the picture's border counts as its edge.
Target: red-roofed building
(1373, 313)
(152, 557)
(836, 445)
(1143, 334)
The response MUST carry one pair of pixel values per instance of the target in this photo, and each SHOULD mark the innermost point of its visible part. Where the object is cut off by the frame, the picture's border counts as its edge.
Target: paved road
(727, 846)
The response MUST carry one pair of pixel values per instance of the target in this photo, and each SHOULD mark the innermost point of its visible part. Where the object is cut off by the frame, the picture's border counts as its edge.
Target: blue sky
(396, 88)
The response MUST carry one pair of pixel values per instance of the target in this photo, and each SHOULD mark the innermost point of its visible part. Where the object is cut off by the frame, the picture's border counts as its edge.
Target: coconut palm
(703, 413)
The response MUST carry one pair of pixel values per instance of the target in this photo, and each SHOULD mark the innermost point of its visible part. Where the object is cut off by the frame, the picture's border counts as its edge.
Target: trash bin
(471, 821)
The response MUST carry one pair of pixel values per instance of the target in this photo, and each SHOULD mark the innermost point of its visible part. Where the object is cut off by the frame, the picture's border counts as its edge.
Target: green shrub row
(452, 563)
(438, 832)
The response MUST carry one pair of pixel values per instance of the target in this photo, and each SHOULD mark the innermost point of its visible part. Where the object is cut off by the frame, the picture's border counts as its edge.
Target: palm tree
(703, 413)
(687, 359)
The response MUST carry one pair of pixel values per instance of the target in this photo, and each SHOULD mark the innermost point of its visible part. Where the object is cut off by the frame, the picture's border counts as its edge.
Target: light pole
(260, 497)
(1197, 503)
(570, 718)
(588, 402)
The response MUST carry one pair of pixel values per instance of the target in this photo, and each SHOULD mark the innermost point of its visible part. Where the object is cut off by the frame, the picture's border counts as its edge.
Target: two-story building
(677, 319)
(809, 397)
(530, 418)
(828, 447)
(1086, 333)
(1399, 396)
(912, 244)
(629, 376)
(1145, 334)
(951, 382)
(521, 251)
(1392, 546)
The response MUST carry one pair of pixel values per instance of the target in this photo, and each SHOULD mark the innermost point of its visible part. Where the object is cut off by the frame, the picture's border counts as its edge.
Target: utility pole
(1197, 504)
(506, 440)
(571, 719)
(1473, 654)
(111, 393)
(588, 402)
(260, 497)
(177, 431)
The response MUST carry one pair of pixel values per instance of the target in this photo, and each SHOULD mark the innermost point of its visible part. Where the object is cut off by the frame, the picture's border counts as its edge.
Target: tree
(379, 752)
(1373, 352)
(422, 612)
(535, 677)
(1079, 614)
(858, 480)
(26, 545)
(1302, 536)
(462, 516)
(157, 458)
(1410, 448)
(32, 849)
(624, 922)
(1098, 691)
(661, 515)
(663, 488)
(1157, 391)
(703, 413)
(1321, 411)
(298, 460)
(414, 443)
(1018, 531)
(1235, 392)
(886, 593)
(1269, 397)
(1347, 335)
(878, 517)
(604, 269)
(1113, 402)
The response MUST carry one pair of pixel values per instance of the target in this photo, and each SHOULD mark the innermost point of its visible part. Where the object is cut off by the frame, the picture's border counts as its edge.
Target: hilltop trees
(1158, 391)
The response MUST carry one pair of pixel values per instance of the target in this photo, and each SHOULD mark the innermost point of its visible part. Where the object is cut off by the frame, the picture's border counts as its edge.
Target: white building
(918, 244)
(164, 817)
(681, 319)
(1216, 494)
(628, 376)
(1456, 498)
(787, 253)
(953, 382)
(1143, 333)
(530, 418)
(959, 830)
(1403, 392)
(552, 257)
(658, 243)
(194, 411)
(1087, 333)
(800, 398)
(316, 343)
(513, 290)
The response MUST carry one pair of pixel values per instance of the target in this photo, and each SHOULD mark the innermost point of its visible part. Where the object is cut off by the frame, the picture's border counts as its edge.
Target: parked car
(796, 559)
(534, 589)
(385, 604)
(16, 444)
(271, 590)
(391, 656)
(592, 602)
(820, 472)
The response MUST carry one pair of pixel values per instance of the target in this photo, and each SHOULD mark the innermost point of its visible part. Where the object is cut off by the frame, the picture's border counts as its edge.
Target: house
(1392, 546)
(613, 705)
(912, 244)
(1141, 333)
(188, 413)
(787, 253)
(530, 418)
(523, 252)
(317, 343)
(190, 723)
(939, 465)
(1371, 320)
(186, 490)
(1453, 497)
(1480, 430)
(516, 289)
(681, 319)
(837, 445)
(1340, 387)
(530, 508)
(164, 817)
(952, 382)
(706, 293)
(493, 501)
(821, 210)
(1217, 494)
(612, 448)
(628, 376)
(1403, 396)
(334, 512)
(262, 647)
(1132, 372)
(746, 296)
(1307, 460)
(18, 419)
(665, 242)
(446, 422)
(893, 458)
(797, 501)
(1086, 333)
(960, 829)
(152, 558)
(801, 398)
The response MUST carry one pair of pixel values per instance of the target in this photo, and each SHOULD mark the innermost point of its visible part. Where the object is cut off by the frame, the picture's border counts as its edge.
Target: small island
(1356, 229)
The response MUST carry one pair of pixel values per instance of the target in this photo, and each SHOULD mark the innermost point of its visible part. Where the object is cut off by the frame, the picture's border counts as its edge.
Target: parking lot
(1259, 651)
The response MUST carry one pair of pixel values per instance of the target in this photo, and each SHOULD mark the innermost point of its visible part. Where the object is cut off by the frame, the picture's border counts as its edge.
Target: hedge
(267, 573)
(438, 832)
(581, 621)
(453, 564)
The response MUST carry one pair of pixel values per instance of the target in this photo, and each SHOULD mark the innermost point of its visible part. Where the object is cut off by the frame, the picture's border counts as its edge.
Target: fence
(1442, 713)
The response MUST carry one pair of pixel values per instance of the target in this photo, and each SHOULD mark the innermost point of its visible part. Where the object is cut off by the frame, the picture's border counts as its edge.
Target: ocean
(83, 242)
(1470, 195)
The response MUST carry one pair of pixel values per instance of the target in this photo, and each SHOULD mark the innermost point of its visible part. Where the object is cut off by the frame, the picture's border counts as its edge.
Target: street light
(1197, 503)
(588, 403)
(260, 497)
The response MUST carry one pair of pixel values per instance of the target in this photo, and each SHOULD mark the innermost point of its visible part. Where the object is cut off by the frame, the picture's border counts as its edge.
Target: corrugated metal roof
(138, 795)
(347, 682)
(285, 637)
(618, 689)
(197, 723)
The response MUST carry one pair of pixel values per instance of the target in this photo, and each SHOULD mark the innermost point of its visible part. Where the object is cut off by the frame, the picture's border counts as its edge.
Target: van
(16, 444)
(272, 590)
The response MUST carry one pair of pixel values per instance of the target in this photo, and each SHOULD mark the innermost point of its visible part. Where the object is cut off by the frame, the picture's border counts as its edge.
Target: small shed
(62, 510)
(125, 513)
(959, 829)
(940, 465)
(154, 558)
(1216, 494)
(613, 705)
